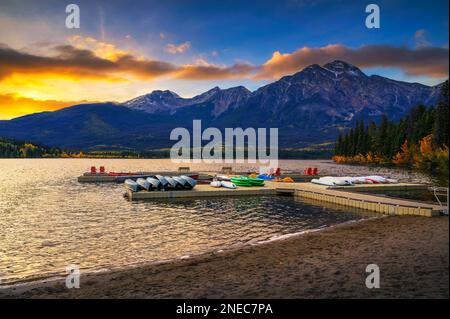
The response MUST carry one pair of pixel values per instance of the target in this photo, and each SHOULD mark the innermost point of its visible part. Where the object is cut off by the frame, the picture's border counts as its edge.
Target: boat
(228, 184)
(247, 181)
(144, 183)
(156, 184)
(332, 181)
(181, 181)
(173, 184)
(163, 181)
(216, 184)
(190, 181)
(131, 185)
(377, 179)
(266, 177)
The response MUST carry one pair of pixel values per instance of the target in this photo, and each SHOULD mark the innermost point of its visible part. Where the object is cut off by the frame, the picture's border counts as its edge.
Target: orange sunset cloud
(88, 69)
(12, 105)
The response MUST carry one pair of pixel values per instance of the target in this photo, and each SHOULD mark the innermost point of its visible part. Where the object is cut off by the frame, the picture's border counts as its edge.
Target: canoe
(247, 181)
(181, 181)
(131, 185)
(173, 184)
(216, 184)
(156, 184)
(190, 181)
(162, 180)
(331, 181)
(377, 179)
(228, 184)
(144, 183)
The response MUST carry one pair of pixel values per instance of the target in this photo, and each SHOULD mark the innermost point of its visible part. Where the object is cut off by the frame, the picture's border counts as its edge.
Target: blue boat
(144, 183)
(156, 184)
(163, 181)
(131, 185)
(190, 181)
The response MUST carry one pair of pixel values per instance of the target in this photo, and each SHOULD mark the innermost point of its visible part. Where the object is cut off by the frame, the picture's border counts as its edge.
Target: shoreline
(412, 253)
(39, 281)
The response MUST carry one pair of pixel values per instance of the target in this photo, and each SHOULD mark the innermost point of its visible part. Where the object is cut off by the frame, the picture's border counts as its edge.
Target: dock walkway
(337, 195)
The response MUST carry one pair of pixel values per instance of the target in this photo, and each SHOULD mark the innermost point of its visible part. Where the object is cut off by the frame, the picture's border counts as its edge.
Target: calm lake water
(48, 220)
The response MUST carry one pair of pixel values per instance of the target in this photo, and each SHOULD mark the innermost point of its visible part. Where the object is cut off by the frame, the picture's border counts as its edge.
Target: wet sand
(411, 252)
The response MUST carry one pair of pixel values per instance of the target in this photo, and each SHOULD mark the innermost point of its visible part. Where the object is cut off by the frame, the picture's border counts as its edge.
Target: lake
(48, 220)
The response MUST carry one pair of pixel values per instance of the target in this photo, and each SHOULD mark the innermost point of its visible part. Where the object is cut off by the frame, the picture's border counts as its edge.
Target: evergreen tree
(441, 123)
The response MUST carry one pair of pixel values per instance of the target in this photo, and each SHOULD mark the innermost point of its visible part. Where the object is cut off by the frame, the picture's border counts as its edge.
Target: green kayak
(247, 181)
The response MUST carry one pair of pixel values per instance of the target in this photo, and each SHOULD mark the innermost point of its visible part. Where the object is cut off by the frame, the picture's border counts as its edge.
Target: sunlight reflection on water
(49, 220)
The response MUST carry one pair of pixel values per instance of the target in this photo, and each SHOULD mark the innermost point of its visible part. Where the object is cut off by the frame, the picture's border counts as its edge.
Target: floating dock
(337, 195)
(105, 178)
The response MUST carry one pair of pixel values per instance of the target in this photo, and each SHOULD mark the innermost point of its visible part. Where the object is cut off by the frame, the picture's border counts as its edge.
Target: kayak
(228, 184)
(266, 177)
(216, 184)
(332, 181)
(156, 184)
(247, 181)
(131, 185)
(144, 183)
(377, 179)
(190, 181)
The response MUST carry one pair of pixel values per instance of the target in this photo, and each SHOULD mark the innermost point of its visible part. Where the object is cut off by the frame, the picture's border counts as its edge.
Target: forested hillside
(420, 139)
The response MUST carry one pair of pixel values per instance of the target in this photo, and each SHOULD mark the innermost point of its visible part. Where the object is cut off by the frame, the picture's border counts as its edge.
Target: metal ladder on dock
(439, 192)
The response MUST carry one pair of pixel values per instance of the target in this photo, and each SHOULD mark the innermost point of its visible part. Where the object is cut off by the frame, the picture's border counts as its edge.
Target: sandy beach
(412, 253)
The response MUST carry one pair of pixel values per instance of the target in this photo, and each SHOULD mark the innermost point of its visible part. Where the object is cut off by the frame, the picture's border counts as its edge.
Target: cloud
(425, 61)
(13, 105)
(90, 59)
(71, 61)
(420, 38)
(213, 72)
(98, 60)
(181, 48)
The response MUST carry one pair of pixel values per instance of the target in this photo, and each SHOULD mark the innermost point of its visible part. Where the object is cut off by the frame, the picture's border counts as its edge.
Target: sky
(124, 49)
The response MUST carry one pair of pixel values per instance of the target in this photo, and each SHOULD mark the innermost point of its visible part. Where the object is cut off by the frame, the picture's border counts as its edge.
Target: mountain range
(309, 108)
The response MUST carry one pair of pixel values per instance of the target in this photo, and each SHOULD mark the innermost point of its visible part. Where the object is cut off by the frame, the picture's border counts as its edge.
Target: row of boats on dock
(348, 181)
(184, 182)
(160, 183)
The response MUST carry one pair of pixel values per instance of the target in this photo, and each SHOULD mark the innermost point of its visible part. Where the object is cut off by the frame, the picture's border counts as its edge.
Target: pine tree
(441, 124)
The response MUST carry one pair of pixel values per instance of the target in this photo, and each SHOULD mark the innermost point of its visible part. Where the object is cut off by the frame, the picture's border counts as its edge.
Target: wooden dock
(105, 178)
(345, 197)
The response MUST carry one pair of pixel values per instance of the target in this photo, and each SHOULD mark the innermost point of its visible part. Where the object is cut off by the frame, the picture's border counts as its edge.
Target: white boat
(144, 183)
(227, 184)
(377, 179)
(131, 185)
(216, 184)
(332, 181)
(192, 182)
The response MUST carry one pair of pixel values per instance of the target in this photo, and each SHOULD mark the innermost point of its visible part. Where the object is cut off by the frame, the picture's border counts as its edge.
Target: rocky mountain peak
(339, 67)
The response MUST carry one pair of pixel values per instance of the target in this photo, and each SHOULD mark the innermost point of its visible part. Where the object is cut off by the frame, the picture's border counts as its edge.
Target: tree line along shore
(419, 140)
